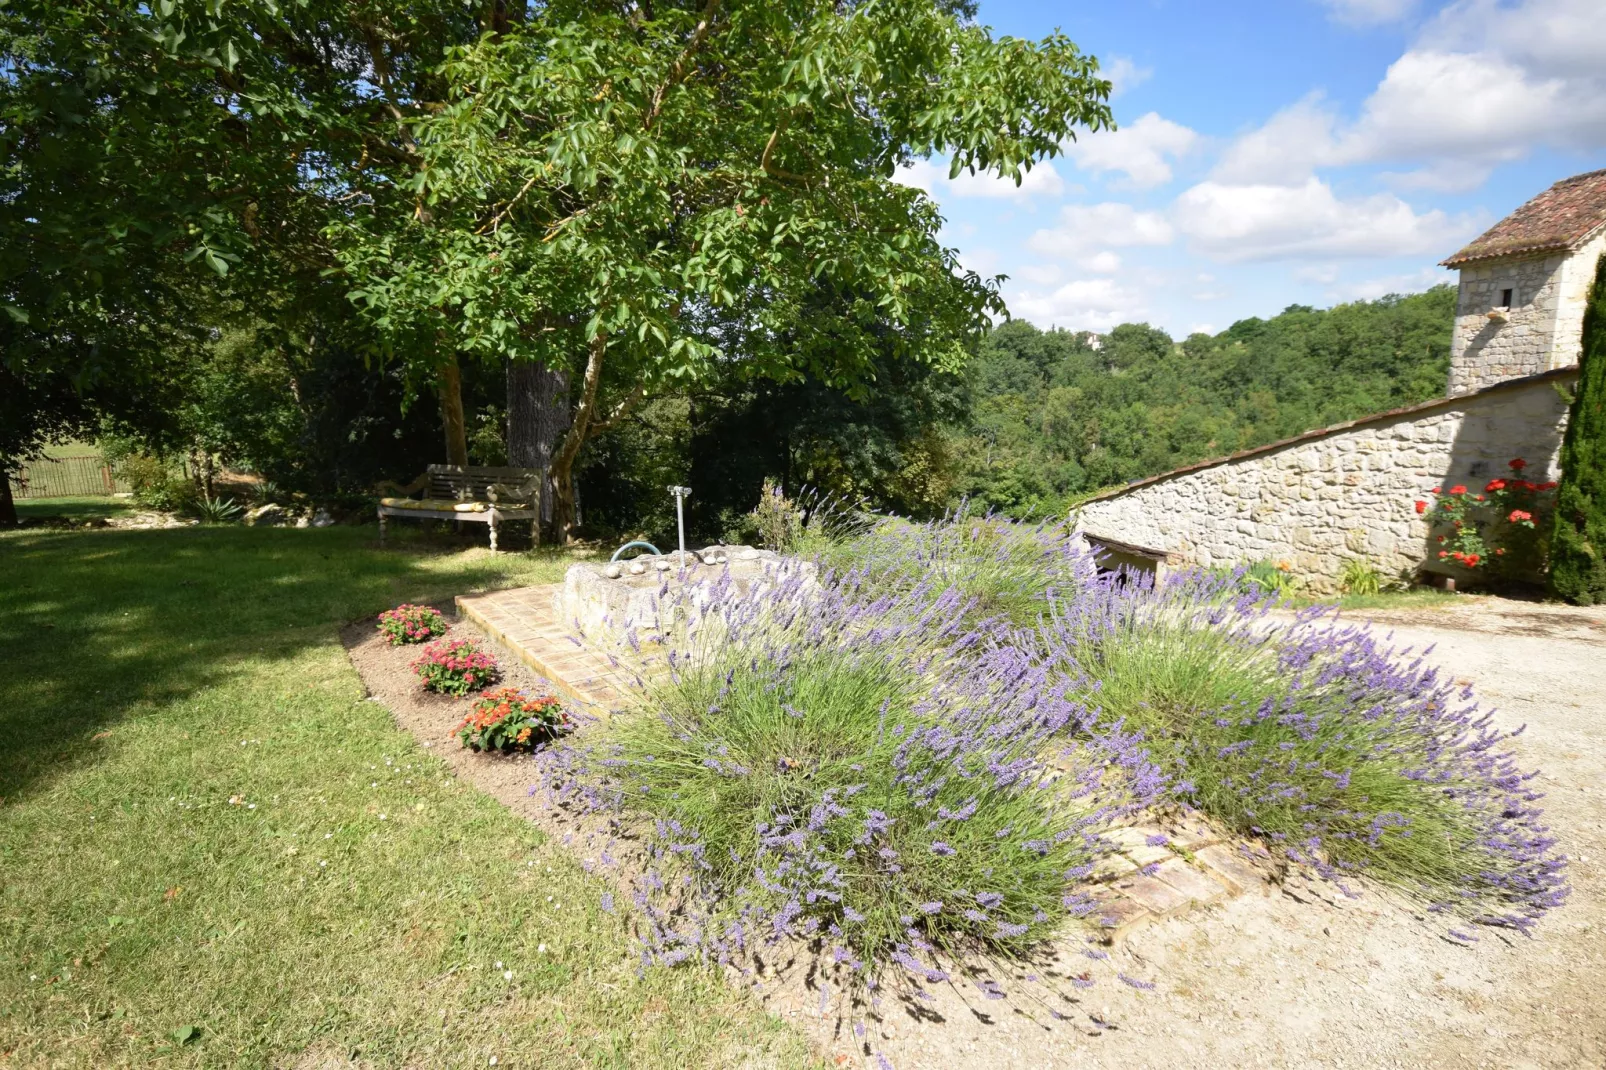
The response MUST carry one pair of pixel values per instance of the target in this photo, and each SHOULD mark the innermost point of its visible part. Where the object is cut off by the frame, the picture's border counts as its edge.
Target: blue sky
(1277, 153)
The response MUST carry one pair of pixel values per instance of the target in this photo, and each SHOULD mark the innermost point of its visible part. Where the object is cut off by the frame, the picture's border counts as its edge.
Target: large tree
(170, 166)
(639, 196)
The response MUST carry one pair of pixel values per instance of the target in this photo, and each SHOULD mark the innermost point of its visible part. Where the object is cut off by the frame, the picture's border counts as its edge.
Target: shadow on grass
(96, 625)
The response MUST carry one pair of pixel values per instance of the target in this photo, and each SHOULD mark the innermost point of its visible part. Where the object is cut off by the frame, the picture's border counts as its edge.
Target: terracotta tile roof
(1558, 218)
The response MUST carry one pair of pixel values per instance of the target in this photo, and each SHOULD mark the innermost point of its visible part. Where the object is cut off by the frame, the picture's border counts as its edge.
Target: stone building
(1347, 491)
(1524, 284)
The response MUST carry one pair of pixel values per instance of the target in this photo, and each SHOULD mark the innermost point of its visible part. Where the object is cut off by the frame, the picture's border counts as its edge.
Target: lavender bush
(908, 757)
(1002, 569)
(863, 767)
(1348, 755)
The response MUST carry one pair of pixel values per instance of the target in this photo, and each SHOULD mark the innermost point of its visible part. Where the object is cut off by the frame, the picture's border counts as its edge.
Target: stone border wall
(1347, 492)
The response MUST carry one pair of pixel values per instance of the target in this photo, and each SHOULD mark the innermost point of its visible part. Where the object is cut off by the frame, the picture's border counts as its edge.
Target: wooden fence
(66, 477)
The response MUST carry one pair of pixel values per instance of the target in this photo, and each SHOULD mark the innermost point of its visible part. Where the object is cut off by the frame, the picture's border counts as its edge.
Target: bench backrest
(469, 484)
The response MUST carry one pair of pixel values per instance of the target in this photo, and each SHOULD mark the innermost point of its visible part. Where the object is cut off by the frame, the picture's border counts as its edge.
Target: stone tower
(1524, 284)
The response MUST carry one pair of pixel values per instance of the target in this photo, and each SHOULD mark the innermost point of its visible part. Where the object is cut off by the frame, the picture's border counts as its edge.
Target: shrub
(1578, 549)
(777, 520)
(1360, 577)
(456, 667)
(213, 510)
(154, 483)
(1496, 530)
(998, 567)
(1347, 756)
(509, 720)
(842, 763)
(1275, 578)
(408, 623)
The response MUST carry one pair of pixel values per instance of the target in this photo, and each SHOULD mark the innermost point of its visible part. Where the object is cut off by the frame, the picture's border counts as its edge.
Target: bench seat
(483, 495)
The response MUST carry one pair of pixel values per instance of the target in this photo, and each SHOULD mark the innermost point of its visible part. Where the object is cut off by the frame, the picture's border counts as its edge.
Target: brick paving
(1139, 882)
(524, 621)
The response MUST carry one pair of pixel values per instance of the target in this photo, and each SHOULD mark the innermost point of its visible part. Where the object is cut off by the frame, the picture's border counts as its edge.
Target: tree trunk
(8, 505)
(451, 391)
(537, 417)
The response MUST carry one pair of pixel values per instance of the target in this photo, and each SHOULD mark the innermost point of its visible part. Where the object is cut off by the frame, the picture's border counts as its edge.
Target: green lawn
(150, 676)
(78, 508)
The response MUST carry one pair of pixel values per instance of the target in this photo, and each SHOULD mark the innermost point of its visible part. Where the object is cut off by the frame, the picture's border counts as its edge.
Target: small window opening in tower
(1505, 298)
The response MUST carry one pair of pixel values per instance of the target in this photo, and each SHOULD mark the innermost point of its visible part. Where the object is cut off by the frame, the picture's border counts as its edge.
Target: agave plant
(215, 510)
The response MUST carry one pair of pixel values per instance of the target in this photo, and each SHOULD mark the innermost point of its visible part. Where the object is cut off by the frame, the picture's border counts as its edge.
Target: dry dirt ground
(1302, 977)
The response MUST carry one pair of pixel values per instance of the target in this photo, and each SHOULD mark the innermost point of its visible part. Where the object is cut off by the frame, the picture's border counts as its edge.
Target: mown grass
(80, 508)
(151, 676)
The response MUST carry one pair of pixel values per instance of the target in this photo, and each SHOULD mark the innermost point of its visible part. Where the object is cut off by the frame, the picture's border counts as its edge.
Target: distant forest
(1048, 418)
(1036, 420)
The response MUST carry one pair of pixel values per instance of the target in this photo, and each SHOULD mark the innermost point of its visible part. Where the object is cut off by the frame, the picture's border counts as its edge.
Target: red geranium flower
(1517, 464)
(1421, 507)
(1459, 488)
(1494, 485)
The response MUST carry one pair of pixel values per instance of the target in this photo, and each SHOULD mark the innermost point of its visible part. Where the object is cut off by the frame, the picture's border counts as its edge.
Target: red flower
(1494, 485)
(1421, 507)
(1472, 560)
(1443, 554)
(1459, 488)
(1518, 516)
(1500, 551)
(1517, 464)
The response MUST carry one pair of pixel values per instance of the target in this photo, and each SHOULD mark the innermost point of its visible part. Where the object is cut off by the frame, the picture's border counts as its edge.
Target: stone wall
(1545, 319)
(1345, 492)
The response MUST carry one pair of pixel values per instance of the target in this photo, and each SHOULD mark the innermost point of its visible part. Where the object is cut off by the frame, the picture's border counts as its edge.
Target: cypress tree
(1578, 547)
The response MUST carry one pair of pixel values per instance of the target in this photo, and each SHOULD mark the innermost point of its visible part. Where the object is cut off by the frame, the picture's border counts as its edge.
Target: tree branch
(769, 150)
(619, 411)
(678, 71)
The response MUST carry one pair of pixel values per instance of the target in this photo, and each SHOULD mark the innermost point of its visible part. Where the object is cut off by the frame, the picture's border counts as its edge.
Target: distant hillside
(1051, 418)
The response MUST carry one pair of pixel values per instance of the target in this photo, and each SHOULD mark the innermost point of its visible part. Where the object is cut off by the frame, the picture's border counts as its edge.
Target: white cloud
(1041, 274)
(1124, 74)
(1081, 305)
(1372, 289)
(1087, 229)
(1485, 83)
(1291, 145)
(1564, 38)
(1369, 12)
(1264, 222)
(1101, 263)
(1041, 181)
(1141, 151)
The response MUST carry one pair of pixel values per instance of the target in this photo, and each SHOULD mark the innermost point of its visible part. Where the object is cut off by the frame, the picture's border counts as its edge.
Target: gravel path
(1321, 981)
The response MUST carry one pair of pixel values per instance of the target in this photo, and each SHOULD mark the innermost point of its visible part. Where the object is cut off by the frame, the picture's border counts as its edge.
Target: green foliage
(789, 729)
(456, 667)
(408, 623)
(1578, 547)
(1273, 577)
(510, 720)
(1502, 530)
(998, 567)
(777, 520)
(1051, 418)
(209, 510)
(1360, 577)
(154, 482)
(1193, 686)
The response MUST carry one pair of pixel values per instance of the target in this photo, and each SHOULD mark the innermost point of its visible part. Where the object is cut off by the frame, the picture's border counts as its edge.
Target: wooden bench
(480, 494)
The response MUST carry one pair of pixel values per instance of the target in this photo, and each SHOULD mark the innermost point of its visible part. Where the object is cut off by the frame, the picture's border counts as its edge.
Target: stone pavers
(524, 620)
(1159, 868)
(1165, 868)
